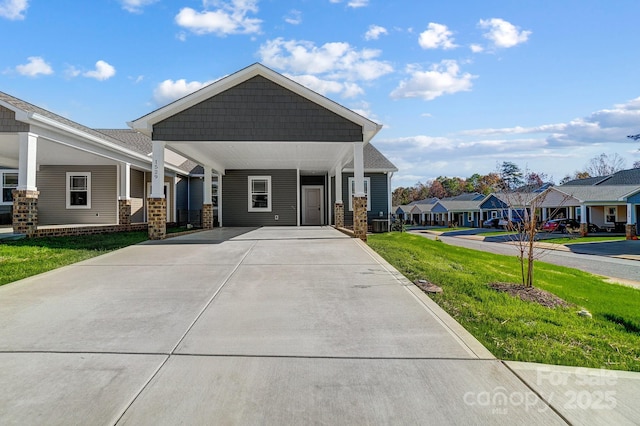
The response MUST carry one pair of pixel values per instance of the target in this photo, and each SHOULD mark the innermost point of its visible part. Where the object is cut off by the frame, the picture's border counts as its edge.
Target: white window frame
(250, 194)
(494, 214)
(606, 213)
(68, 190)
(2, 174)
(469, 217)
(367, 186)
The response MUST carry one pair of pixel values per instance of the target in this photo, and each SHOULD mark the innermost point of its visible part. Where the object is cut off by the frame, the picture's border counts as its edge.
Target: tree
(605, 165)
(636, 164)
(511, 175)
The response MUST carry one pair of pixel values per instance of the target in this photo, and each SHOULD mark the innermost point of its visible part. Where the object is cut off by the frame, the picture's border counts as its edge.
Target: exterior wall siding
(137, 196)
(8, 122)
(167, 179)
(257, 110)
(52, 209)
(235, 199)
(378, 194)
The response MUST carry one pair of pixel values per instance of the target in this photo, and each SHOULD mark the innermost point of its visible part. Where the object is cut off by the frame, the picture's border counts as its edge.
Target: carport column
(25, 196)
(124, 199)
(584, 227)
(359, 196)
(157, 203)
(631, 231)
(207, 204)
(338, 211)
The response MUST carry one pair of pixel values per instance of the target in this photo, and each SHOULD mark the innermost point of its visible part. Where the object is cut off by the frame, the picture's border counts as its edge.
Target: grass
(24, 258)
(522, 331)
(578, 240)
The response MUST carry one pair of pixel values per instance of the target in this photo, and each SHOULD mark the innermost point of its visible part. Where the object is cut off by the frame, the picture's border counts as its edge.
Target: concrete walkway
(267, 326)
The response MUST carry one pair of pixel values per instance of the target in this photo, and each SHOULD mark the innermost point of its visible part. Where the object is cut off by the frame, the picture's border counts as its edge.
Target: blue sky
(460, 86)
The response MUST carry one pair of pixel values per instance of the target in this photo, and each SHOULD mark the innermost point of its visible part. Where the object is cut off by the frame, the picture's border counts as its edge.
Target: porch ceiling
(48, 152)
(305, 156)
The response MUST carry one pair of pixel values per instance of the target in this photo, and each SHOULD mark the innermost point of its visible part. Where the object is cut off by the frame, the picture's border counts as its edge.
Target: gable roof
(598, 193)
(145, 123)
(374, 161)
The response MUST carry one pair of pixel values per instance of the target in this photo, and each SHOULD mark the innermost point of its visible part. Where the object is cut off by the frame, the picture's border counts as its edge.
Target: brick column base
(25, 211)
(207, 216)
(584, 229)
(157, 211)
(124, 212)
(338, 211)
(631, 231)
(360, 217)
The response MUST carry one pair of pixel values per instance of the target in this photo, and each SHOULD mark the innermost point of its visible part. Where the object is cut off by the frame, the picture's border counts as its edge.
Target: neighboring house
(492, 207)
(610, 202)
(252, 149)
(461, 210)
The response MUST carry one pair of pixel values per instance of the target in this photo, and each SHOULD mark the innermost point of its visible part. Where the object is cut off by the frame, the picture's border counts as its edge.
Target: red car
(560, 225)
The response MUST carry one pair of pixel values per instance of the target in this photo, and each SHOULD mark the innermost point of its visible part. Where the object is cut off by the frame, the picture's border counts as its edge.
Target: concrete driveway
(267, 326)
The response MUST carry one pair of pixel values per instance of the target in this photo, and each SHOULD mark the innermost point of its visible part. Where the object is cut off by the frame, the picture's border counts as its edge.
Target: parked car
(516, 222)
(560, 225)
(491, 223)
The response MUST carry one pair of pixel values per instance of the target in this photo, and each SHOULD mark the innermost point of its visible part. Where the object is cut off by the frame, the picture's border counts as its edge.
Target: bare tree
(605, 165)
(526, 210)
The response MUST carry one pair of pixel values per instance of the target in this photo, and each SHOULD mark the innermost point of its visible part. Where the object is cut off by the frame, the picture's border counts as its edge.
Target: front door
(312, 205)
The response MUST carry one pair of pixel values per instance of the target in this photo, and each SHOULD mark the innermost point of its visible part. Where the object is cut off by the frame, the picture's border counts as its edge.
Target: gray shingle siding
(235, 198)
(257, 110)
(8, 122)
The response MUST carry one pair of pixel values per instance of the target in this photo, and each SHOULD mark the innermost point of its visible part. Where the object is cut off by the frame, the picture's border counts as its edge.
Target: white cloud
(326, 87)
(170, 90)
(229, 18)
(436, 36)
(353, 3)
(294, 17)
(503, 34)
(441, 79)
(136, 6)
(103, 71)
(374, 32)
(13, 9)
(337, 60)
(36, 66)
(476, 48)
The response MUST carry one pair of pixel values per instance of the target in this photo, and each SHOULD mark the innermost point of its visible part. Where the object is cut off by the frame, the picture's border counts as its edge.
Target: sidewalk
(268, 326)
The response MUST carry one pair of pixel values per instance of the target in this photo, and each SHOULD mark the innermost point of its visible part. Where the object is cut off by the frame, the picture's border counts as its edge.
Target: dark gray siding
(379, 196)
(8, 122)
(235, 198)
(52, 207)
(257, 110)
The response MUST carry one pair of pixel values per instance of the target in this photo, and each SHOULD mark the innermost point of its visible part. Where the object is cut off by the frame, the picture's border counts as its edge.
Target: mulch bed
(530, 294)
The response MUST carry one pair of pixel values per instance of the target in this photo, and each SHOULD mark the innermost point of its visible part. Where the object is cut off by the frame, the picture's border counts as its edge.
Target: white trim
(250, 207)
(86, 175)
(606, 213)
(4, 172)
(367, 190)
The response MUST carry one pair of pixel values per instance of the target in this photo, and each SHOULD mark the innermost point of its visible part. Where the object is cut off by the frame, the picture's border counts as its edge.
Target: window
(259, 193)
(9, 183)
(352, 190)
(214, 194)
(470, 217)
(610, 214)
(78, 190)
(494, 214)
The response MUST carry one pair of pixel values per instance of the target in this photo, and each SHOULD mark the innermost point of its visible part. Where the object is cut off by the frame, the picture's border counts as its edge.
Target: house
(252, 149)
(461, 210)
(610, 202)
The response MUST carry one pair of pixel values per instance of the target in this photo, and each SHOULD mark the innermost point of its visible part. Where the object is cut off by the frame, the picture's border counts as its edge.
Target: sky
(459, 86)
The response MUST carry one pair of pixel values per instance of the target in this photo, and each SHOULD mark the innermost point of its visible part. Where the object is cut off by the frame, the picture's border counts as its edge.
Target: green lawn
(578, 240)
(24, 258)
(515, 330)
